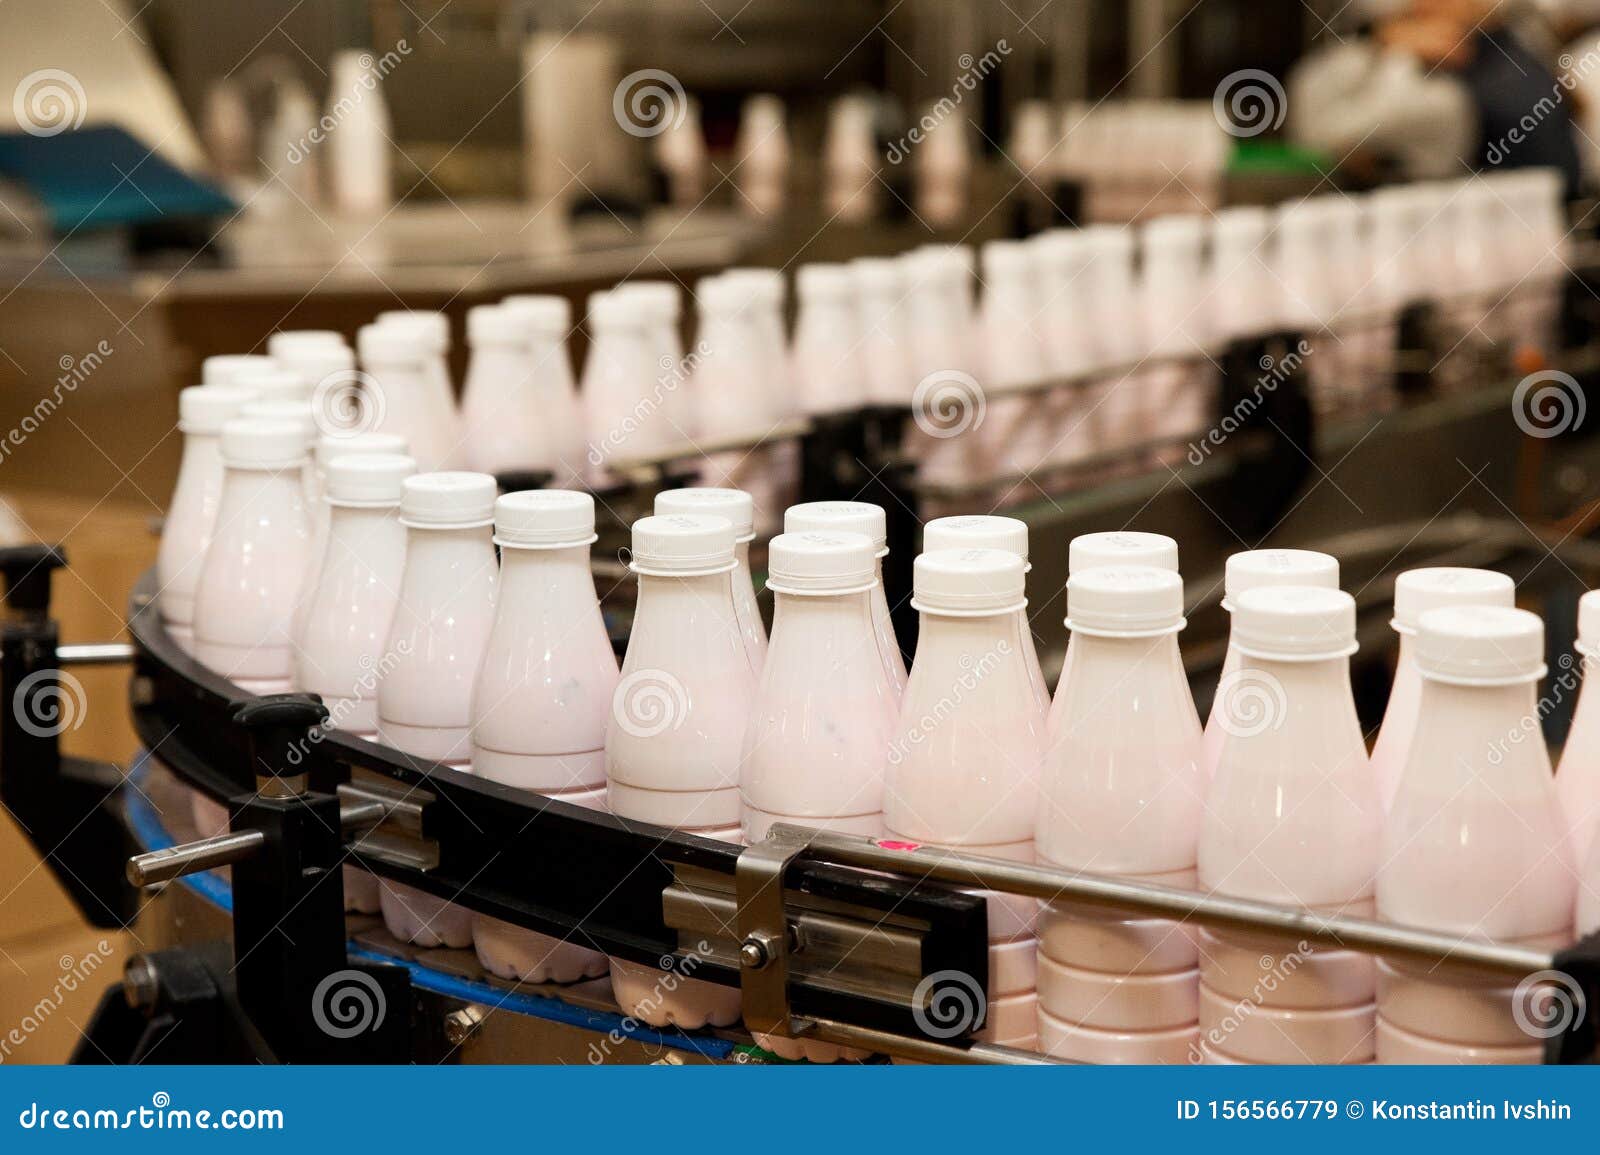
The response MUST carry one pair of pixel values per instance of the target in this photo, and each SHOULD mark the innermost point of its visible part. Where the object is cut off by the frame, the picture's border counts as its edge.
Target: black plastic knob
(280, 727)
(26, 570)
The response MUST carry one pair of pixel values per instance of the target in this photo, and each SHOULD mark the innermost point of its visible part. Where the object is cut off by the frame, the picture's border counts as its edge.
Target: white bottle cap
(383, 345)
(766, 285)
(1175, 231)
(296, 413)
(222, 369)
(1005, 258)
(262, 443)
(734, 504)
(968, 583)
(1258, 568)
(1588, 623)
(331, 445)
(617, 310)
(204, 408)
(448, 500)
(824, 282)
(977, 531)
(274, 384)
(821, 564)
(721, 295)
(1294, 623)
(1121, 548)
(297, 340)
(661, 301)
(840, 517)
(432, 328)
(1115, 601)
(1419, 590)
(495, 325)
(540, 313)
(1466, 645)
(367, 480)
(544, 519)
(682, 545)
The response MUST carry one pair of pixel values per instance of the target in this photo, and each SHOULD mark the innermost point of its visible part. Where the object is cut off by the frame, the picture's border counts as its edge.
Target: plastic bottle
(1578, 779)
(1293, 817)
(762, 147)
(963, 767)
(661, 302)
(395, 398)
(542, 697)
(731, 383)
(501, 420)
(1258, 569)
(358, 147)
(620, 395)
(192, 512)
(1121, 793)
(547, 322)
(884, 359)
(986, 531)
(826, 344)
(435, 646)
(850, 160)
(677, 723)
(1416, 592)
(734, 505)
(274, 383)
(349, 605)
(1476, 844)
(824, 713)
(864, 518)
(224, 367)
(438, 397)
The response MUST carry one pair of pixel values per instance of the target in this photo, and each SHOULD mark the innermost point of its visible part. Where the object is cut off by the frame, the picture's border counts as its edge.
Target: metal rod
(192, 857)
(1212, 910)
(96, 654)
(925, 1050)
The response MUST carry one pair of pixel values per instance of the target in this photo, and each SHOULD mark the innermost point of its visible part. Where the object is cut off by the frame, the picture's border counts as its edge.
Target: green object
(1277, 158)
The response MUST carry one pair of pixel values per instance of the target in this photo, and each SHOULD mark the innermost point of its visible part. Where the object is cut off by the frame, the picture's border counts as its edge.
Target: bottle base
(526, 956)
(419, 918)
(809, 1050)
(360, 891)
(664, 998)
(1398, 1046)
(1078, 1044)
(1258, 1034)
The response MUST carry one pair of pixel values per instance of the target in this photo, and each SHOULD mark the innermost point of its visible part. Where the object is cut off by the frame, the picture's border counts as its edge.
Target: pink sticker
(888, 844)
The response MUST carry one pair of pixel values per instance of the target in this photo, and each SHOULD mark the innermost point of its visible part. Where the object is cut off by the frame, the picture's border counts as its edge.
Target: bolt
(141, 985)
(459, 1026)
(757, 951)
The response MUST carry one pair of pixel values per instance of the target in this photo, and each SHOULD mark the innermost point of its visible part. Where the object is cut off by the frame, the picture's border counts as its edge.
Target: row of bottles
(398, 612)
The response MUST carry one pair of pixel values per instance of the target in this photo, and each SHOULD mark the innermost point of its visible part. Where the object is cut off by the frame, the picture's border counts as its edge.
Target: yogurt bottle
(963, 766)
(621, 402)
(1259, 569)
(1415, 593)
(547, 321)
(435, 646)
(824, 713)
(192, 512)
(1121, 793)
(677, 725)
(1476, 844)
(542, 697)
(864, 518)
(986, 531)
(438, 400)
(827, 367)
(397, 392)
(738, 508)
(225, 367)
(1578, 779)
(1293, 817)
(501, 421)
(349, 606)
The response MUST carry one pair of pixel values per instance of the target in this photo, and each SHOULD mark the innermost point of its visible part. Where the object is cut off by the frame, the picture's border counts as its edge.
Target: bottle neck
(438, 551)
(1470, 733)
(1105, 671)
(549, 570)
(806, 616)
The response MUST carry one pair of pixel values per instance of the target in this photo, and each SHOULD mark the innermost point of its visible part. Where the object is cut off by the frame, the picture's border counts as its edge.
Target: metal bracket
(764, 934)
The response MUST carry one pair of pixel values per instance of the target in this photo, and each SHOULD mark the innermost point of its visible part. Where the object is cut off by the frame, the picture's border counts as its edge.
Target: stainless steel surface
(140, 983)
(96, 654)
(158, 866)
(459, 1025)
(395, 834)
(1211, 910)
(763, 928)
